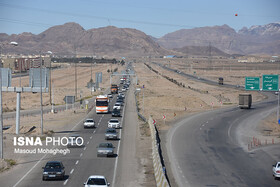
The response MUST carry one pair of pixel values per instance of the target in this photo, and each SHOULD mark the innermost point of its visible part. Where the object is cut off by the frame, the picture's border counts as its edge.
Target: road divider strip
(159, 170)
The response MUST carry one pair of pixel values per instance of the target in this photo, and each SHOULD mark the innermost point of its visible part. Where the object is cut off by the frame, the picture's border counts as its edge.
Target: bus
(102, 104)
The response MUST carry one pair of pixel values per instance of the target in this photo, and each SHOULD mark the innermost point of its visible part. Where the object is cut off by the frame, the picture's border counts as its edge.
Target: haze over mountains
(71, 38)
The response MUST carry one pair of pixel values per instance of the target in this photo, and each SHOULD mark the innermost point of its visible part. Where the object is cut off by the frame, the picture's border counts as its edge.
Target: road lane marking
(77, 162)
(30, 170)
(65, 182)
(71, 171)
(85, 148)
(118, 150)
(46, 155)
(87, 142)
(81, 154)
(90, 137)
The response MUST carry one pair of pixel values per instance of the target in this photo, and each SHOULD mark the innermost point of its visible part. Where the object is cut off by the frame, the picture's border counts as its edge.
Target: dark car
(53, 170)
(116, 113)
(120, 100)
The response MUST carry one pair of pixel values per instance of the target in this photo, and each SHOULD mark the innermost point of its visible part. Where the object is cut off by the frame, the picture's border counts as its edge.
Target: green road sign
(270, 82)
(252, 83)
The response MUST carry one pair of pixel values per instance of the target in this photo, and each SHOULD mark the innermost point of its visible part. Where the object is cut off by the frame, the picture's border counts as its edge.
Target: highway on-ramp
(207, 149)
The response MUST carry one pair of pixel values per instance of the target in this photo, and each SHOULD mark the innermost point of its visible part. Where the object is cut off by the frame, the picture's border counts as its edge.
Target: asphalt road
(80, 162)
(205, 150)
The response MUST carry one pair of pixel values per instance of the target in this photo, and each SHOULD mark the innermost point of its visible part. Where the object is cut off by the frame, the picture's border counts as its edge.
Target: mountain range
(71, 38)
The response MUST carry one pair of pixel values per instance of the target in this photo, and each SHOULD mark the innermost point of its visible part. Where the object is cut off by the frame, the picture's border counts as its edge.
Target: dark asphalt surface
(204, 151)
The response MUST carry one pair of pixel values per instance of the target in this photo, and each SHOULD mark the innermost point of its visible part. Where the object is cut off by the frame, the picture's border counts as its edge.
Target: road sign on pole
(270, 82)
(252, 83)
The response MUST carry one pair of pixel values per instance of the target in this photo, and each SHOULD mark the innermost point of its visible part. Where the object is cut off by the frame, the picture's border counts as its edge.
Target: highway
(206, 149)
(81, 162)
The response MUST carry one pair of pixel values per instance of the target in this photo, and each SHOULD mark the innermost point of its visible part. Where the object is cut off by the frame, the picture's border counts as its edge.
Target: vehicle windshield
(111, 130)
(89, 120)
(101, 103)
(53, 166)
(105, 145)
(95, 181)
(114, 121)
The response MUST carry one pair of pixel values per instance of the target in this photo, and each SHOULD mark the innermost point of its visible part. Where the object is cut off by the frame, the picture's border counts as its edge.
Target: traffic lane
(35, 175)
(211, 158)
(90, 163)
(34, 178)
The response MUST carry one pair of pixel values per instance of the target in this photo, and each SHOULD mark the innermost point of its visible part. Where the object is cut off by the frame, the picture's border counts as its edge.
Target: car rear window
(95, 181)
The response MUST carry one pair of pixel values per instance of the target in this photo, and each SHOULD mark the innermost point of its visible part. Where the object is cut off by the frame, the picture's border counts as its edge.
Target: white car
(117, 106)
(89, 123)
(114, 123)
(276, 170)
(96, 180)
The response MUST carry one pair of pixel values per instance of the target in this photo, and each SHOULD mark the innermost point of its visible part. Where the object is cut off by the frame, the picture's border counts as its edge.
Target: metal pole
(41, 94)
(52, 101)
(1, 112)
(143, 102)
(91, 78)
(51, 81)
(18, 113)
(278, 107)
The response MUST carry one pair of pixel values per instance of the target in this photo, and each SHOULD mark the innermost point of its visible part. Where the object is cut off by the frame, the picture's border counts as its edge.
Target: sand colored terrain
(63, 83)
(164, 98)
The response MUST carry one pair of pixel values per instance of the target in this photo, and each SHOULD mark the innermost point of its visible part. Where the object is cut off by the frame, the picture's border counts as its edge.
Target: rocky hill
(71, 38)
(255, 40)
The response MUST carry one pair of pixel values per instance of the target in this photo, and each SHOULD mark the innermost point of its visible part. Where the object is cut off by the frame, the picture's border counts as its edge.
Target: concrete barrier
(159, 171)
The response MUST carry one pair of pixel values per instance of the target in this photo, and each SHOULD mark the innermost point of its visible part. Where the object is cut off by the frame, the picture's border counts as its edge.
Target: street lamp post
(1, 109)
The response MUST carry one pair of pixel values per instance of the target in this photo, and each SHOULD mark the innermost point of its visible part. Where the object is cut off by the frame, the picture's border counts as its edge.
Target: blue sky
(154, 17)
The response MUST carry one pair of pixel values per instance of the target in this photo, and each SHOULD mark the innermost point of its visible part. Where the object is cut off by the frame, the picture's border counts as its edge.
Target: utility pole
(91, 78)
(75, 63)
(41, 94)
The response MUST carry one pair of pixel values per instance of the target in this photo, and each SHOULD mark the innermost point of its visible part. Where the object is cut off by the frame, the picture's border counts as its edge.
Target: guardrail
(159, 170)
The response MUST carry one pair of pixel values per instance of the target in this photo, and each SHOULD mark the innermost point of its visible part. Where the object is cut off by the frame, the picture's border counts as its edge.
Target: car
(116, 113)
(276, 170)
(117, 106)
(111, 133)
(53, 170)
(122, 95)
(123, 89)
(105, 149)
(75, 140)
(96, 180)
(89, 123)
(120, 100)
(110, 95)
(114, 123)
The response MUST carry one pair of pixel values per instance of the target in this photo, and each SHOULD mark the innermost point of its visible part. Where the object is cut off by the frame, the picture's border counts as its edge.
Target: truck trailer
(245, 100)
(114, 89)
